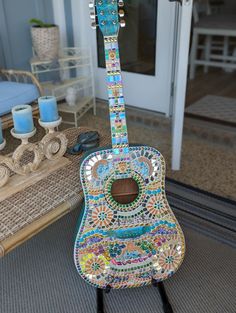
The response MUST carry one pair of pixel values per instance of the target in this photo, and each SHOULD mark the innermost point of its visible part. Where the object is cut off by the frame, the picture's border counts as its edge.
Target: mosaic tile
(125, 240)
(127, 245)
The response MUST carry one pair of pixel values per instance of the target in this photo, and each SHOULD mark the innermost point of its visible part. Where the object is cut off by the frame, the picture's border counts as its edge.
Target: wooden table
(26, 213)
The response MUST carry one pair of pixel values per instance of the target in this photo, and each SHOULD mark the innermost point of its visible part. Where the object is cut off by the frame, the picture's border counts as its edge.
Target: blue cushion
(12, 93)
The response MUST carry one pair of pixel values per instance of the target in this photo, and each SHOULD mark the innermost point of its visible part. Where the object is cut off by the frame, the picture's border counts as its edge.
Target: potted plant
(45, 38)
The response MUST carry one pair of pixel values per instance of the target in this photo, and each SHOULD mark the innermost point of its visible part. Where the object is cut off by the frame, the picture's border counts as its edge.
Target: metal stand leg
(100, 298)
(100, 303)
(164, 298)
(161, 288)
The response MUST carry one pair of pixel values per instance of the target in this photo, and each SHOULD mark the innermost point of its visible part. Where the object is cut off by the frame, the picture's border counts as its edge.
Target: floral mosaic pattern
(169, 259)
(94, 265)
(155, 205)
(101, 216)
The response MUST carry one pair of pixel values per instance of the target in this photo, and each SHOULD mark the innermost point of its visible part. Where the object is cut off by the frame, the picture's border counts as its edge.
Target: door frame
(180, 86)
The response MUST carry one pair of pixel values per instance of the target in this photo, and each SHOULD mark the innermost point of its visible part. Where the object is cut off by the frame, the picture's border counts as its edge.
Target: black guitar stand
(161, 288)
(167, 308)
(100, 302)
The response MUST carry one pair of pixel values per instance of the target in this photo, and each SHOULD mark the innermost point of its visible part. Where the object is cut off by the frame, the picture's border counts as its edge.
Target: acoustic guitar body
(128, 234)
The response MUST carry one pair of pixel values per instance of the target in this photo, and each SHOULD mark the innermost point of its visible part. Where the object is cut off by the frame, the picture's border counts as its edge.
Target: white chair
(217, 52)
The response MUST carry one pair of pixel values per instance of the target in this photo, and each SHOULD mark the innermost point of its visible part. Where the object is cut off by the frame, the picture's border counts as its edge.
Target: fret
(120, 143)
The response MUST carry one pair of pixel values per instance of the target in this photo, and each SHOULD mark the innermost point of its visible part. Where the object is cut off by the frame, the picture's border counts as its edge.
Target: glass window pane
(137, 40)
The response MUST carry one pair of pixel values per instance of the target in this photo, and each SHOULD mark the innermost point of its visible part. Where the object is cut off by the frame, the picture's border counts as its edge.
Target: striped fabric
(40, 277)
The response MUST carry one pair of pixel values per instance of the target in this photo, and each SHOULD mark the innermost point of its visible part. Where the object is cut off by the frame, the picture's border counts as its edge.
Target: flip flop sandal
(85, 142)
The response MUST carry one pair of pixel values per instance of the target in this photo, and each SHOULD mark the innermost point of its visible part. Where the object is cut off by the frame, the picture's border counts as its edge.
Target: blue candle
(23, 119)
(48, 109)
(1, 136)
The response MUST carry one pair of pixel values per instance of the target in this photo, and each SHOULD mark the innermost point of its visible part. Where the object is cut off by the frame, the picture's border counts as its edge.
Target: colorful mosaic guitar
(128, 234)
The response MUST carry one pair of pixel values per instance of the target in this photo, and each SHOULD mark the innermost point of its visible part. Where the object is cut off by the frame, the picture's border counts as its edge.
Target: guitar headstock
(108, 15)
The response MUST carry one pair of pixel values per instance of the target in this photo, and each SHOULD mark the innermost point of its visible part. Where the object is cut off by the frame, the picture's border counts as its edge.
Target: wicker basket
(45, 42)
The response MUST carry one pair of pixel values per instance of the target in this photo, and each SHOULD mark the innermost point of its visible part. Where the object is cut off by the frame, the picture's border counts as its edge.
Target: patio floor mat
(218, 109)
(40, 277)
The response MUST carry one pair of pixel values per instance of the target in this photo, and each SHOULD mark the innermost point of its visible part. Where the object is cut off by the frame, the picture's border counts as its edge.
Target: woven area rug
(40, 277)
(219, 109)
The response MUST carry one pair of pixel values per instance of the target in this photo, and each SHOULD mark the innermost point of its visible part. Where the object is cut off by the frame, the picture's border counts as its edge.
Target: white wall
(81, 20)
(16, 48)
(60, 20)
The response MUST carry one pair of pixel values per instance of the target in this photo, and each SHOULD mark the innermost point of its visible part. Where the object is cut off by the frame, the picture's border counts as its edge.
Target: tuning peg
(94, 25)
(121, 3)
(92, 15)
(122, 23)
(91, 5)
(121, 13)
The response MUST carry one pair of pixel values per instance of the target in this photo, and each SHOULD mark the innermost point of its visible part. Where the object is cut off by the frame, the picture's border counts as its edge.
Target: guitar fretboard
(119, 133)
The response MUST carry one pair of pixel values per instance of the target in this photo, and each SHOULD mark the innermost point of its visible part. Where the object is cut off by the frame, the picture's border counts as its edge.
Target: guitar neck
(119, 133)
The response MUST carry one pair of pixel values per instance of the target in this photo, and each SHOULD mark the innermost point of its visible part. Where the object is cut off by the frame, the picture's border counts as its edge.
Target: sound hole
(125, 191)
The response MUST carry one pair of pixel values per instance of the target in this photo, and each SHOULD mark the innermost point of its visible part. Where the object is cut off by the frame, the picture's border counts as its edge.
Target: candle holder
(54, 143)
(4, 172)
(3, 145)
(14, 162)
(46, 156)
(50, 126)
